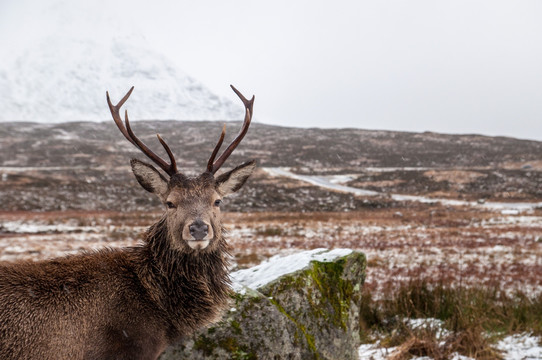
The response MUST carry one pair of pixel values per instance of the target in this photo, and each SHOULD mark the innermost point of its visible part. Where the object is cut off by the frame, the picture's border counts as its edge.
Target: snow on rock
(65, 79)
(278, 266)
(312, 311)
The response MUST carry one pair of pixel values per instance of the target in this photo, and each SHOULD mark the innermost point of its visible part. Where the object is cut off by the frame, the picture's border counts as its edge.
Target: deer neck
(191, 286)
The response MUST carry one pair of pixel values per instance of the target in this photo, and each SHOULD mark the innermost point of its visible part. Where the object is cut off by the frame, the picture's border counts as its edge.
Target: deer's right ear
(150, 178)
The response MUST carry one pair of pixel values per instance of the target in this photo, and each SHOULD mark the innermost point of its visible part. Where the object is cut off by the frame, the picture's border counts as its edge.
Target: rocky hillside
(84, 144)
(85, 165)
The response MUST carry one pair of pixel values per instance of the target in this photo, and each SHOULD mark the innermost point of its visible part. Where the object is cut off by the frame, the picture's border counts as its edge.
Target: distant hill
(85, 165)
(65, 79)
(318, 150)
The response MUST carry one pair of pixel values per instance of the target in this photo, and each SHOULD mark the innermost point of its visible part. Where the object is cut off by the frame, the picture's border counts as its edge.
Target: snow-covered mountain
(64, 79)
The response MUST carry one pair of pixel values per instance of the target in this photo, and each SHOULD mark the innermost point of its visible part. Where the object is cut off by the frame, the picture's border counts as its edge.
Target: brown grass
(418, 346)
(460, 265)
(472, 318)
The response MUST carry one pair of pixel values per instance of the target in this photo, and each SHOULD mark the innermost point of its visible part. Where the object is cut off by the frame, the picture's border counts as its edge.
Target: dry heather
(479, 272)
(462, 245)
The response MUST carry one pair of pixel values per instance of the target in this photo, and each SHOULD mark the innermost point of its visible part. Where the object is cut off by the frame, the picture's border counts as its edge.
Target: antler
(213, 166)
(170, 168)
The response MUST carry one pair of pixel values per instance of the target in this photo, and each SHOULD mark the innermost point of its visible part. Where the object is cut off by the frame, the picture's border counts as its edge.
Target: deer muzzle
(199, 235)
(199, 229)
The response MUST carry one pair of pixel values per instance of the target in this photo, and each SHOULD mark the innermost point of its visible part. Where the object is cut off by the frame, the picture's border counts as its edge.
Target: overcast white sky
(444, 66)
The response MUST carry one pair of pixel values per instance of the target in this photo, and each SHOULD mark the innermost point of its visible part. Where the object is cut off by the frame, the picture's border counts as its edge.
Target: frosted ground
(515, 347)
(472, 246)
(469, 243)
(335, 182)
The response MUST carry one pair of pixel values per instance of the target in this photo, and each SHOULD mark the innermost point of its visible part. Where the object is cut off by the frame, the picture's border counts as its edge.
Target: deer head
(192, 203)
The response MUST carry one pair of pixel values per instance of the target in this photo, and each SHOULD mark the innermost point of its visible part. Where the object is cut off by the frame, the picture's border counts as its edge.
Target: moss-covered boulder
(301, 306)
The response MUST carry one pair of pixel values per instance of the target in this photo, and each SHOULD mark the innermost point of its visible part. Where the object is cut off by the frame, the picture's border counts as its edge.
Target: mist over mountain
(60, 79)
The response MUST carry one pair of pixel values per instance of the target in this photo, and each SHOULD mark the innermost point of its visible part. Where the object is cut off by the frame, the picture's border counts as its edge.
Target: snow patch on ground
(320, 181)
(521, 347)
(278, 266)
(340, 179)
(19, 227)
(374, 352)
(327, 182)
(513, 347)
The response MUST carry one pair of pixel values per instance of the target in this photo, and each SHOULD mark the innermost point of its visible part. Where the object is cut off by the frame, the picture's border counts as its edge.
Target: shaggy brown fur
(112, 304)
(129, 303)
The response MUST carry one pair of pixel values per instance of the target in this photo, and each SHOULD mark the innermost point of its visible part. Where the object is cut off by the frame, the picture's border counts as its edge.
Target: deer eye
(170, 205)
(218, 202)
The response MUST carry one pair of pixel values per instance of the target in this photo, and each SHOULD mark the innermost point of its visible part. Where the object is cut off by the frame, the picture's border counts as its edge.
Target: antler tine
(249, 104)
(171, 168)
(215, 151)
(173, 164)
(116, 116)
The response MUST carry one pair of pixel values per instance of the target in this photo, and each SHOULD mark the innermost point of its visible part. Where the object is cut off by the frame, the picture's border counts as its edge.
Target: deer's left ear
(233, 180)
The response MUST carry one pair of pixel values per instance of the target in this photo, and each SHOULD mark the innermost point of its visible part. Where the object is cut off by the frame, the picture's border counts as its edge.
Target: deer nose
(198, 229)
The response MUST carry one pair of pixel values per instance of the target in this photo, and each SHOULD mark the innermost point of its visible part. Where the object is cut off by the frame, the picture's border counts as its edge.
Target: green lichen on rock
(325, 305)
(312, 313)
(327, 277)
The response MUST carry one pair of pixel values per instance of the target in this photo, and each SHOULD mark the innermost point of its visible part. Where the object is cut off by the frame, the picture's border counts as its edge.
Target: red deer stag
(130, 303)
